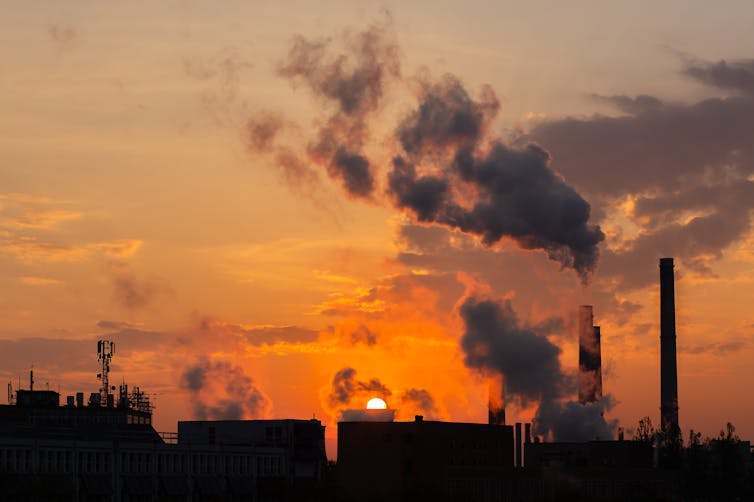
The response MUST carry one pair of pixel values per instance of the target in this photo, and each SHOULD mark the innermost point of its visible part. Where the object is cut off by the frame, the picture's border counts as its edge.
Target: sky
(282, 211)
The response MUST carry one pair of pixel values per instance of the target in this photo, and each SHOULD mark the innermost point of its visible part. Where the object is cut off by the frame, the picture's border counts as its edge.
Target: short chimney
(419, 418)
(496, 401)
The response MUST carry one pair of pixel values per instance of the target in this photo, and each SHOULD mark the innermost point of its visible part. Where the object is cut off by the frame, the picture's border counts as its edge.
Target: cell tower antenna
(105, 349)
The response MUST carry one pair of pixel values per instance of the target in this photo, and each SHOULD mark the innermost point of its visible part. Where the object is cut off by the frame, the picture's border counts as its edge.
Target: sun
(376, 404)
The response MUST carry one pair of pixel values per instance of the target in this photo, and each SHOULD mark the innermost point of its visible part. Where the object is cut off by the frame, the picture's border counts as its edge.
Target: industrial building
(422, 460)
(109, 451)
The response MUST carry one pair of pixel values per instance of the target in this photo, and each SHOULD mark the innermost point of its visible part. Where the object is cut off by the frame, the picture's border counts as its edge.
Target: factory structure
(428, 460)
(104, 447)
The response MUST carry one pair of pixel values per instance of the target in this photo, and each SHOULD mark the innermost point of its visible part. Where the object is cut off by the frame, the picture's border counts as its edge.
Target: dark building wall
(592, 454)
(421, 459)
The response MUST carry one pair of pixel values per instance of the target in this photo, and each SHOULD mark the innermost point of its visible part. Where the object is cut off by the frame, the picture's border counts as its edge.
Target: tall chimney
(496, 402)
(668, 366)
(518, 445)
(590, 359)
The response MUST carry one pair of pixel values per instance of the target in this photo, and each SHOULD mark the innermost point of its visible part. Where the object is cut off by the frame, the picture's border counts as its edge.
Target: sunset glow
(283, 210)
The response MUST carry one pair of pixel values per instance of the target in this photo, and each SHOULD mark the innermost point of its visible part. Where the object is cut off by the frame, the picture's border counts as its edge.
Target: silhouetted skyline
(285, 211)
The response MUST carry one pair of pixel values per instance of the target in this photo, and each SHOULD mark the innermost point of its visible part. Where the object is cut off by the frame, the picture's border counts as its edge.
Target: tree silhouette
(645, 431)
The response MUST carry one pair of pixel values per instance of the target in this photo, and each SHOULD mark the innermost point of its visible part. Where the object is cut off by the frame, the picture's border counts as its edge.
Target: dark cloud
(715, 348)
(687, 169)
(114, 325)
(419, 402)
(345, 387)
(238, 396)
(17, 356)
(353, 82)
(632, 105)
(258, 335)
(616, 156)
(735, 75)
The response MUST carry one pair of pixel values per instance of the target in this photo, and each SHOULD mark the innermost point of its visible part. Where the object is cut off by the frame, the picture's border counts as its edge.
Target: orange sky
(133, 208)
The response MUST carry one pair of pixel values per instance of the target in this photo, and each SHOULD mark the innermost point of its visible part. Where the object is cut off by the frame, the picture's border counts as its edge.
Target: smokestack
(518, 444)
(527, 433)
(590, 358)
(496, 402)
(598, 363)
(668, 366)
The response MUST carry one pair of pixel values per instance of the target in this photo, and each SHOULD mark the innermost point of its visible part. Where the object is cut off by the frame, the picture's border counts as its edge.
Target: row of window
(66, 461)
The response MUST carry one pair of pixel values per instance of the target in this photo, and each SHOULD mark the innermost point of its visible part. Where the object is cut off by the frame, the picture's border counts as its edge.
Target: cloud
(632, 105)
(734, 75)
(38, 281)
(715, 348)
(258, 335)
(223, 391)
(682, 174)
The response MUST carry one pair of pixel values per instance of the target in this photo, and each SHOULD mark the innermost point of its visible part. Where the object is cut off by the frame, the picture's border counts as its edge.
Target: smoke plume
(496, 342)
(419, 402)
(490, 191)
(345, 388)
(233, 394)
(353, 82)
(447, 169)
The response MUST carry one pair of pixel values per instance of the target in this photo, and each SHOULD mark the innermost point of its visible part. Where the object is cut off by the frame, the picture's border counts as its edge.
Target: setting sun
(376, 404)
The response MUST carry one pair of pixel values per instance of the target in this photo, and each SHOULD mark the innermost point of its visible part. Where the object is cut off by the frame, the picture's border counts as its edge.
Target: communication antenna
(105, 350)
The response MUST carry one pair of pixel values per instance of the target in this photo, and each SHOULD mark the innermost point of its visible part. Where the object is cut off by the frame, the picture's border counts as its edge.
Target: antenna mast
(105, 349)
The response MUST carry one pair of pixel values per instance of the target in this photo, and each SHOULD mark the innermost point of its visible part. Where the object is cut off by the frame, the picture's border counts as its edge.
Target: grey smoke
(420, 401)
(495, 342)
(364, 335)
(242, 399)
(345, 387)
(354, 82)
(573, 421)
(447, 116)
(490, 191)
